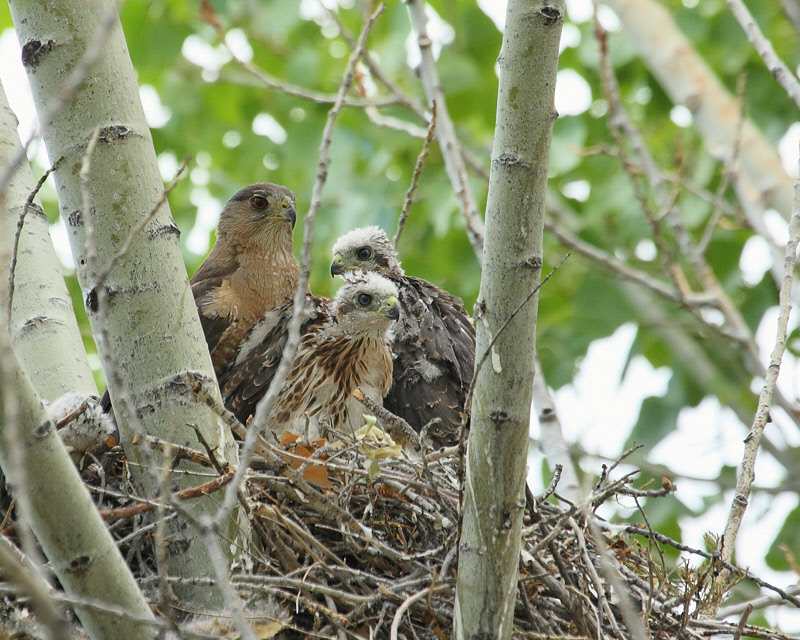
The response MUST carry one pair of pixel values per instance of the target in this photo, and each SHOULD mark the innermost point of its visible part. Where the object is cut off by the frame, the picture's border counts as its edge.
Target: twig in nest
(399, 429)
(660, 537)
(186, 494)
(227, 417)
(553, 483)
(63, 422)
(212, 457)
(179, 452)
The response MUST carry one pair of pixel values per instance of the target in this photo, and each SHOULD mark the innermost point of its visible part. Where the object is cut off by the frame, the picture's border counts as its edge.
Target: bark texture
(44, 330)
(139, 304)
(494, 496)
(62, 515)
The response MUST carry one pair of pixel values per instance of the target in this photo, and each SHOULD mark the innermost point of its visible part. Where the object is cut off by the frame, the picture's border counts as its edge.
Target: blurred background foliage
(237, 130)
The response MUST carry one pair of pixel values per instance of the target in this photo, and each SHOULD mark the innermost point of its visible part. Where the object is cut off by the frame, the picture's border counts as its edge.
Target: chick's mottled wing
(434, 347)
(249, 377)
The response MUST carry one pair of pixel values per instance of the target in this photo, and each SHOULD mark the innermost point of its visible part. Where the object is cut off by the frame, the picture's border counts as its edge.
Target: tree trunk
(140, 306)
(494, 497)
(44, 330)
(63, 517)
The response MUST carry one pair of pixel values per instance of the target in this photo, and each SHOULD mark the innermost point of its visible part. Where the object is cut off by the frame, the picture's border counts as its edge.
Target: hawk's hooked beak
(337, 268)
(287, 210)
(391, 308)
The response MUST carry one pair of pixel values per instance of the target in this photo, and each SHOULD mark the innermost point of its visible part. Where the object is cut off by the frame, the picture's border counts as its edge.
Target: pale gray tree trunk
(140, 306)
(494, 496)
(44, 330)
(57, 506)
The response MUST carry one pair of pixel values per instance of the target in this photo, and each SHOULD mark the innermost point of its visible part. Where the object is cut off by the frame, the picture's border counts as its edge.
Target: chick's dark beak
(393, 312)
(336, 266)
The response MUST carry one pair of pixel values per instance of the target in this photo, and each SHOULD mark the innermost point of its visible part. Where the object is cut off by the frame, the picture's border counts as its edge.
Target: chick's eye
(364, 299)
(364, 253)
(259, 202)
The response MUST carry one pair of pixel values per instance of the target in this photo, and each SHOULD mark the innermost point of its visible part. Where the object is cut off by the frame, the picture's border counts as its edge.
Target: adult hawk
(434, 341)
(251, 269)
(345, 345)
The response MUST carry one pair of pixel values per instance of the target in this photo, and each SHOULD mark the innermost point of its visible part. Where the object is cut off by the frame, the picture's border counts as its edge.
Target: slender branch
(18, 233)
(415, 178)
(479, 363)
(446, 132)
(730, 171)
(777, 68)
(123, 250)
(757, 603)
(616, 266)
(785, 595)
(375, 69)
(399, 429)
(406, 605)
(746, 474)
(19, 570)
(689, 249)
(264, 406)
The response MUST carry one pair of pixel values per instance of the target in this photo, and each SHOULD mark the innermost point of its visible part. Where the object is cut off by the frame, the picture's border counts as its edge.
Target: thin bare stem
(264, 407)
(746, 474)
(123, 251)
(446, 131)
(415, 178)
(18, 233)
(760, 43)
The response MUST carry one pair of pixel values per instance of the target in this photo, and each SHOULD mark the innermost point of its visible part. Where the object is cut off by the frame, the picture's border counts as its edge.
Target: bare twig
(479, 363)
(728, 174)
(18, 233)
(398, 428)
(407, 605)
(757, 603)
(647, 167)
(19, 570)
(746, 473)
(415, 178)
(123, 251)
(785, 595)
(293, 338)
(445, 131)
(776, 67)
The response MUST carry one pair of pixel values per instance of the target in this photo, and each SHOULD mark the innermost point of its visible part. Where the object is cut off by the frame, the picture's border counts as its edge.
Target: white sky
(601, 405)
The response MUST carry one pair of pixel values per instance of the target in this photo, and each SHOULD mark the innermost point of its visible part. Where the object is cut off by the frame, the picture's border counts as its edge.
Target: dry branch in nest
(339, 552)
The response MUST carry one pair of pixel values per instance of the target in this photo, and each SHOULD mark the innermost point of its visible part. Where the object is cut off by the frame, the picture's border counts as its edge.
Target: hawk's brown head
(368, 249)
(256, 208)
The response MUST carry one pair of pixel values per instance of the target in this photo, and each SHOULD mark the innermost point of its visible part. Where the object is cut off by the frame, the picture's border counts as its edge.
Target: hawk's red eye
(259, 202)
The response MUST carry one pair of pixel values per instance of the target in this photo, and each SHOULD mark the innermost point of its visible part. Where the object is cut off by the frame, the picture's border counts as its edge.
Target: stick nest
(347, 545)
